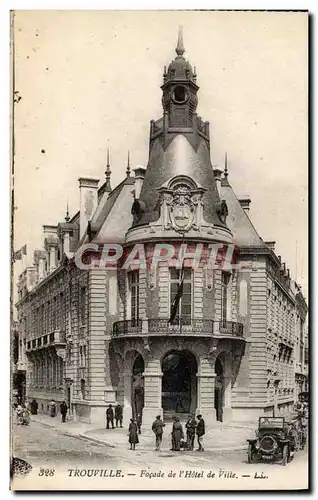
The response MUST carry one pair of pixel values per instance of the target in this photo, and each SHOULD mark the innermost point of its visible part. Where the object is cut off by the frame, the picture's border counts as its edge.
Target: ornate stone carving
(222, 210)
(181, 206)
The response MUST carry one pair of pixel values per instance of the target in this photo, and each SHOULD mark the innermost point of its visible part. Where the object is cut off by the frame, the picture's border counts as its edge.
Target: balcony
(231, 328)
(194, 327)
(56, 338)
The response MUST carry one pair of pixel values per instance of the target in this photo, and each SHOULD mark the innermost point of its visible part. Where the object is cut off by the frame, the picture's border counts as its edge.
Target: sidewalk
(219, 437)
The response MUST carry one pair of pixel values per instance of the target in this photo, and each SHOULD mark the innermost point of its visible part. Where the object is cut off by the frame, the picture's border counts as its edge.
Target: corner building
(230, 352)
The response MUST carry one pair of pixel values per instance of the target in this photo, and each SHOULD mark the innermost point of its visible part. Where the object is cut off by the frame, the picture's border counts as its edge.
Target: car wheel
(285, 455)
(250, 454)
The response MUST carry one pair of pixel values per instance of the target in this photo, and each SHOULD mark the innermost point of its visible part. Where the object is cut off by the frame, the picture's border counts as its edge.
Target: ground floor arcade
(177, 376)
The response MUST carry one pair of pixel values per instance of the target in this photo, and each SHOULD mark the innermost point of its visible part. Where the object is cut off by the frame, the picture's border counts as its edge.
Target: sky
(91, 79)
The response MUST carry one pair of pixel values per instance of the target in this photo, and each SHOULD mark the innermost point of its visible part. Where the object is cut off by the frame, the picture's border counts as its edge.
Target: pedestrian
(19, 415)
(52, 408)
(34, 407)
(138, 422)
(63, 410)
(200, 432)
(190, 426)
(133, 434)
(157, 428)
(109, 417)
(177, 434)
(25, 416)
(119, 415)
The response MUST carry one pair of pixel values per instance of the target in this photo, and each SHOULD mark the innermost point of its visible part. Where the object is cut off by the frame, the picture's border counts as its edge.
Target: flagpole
(180, 281)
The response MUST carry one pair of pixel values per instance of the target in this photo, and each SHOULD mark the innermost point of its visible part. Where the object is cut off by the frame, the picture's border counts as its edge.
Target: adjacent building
(97, 336)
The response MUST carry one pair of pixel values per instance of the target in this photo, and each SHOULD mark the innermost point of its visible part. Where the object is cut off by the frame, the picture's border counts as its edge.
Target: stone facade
(96, 336)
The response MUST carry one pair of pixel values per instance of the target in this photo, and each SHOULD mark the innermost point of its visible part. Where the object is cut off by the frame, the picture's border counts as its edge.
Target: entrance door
(219, 390)
(138, 386)
(69, 400)
(179, 391)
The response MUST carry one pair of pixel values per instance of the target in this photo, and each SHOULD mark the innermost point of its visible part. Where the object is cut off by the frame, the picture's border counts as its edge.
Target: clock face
(180, 94)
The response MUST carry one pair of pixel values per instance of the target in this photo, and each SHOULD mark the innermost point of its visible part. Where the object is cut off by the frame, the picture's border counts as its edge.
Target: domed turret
(180, 68)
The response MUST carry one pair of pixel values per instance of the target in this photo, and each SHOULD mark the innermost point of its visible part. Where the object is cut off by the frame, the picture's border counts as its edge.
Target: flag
(176, 300)
(17, 255)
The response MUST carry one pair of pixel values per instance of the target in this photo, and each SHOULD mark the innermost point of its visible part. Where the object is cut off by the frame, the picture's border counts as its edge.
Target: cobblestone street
(47, 448)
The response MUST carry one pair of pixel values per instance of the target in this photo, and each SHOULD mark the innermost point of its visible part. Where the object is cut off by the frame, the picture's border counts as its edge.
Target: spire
(226, 173)
(180, 47)
(225, 181)
(107, 173)
(67, 216)
(128, 165)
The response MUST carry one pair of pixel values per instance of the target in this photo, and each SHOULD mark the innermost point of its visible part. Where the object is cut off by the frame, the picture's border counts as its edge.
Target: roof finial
(128, 165)
(107, 173)
(67, 216)
(226, 173)
(180, 47)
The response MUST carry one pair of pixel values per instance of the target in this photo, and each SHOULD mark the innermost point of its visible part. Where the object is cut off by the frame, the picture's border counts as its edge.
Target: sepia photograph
(159, 250)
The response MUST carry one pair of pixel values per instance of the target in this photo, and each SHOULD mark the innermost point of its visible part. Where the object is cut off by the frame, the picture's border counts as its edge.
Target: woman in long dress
(133, 434)
(177, 434)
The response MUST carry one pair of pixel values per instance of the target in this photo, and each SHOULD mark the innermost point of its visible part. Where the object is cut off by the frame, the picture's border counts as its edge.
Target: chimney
(50, 244)
(271, 245)
(139, 179)
(39, 260)
(88, 201)
(218, 178)
(245, 201)
(30, 277)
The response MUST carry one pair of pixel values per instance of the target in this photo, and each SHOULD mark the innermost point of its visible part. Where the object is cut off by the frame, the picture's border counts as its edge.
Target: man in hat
(157, 428)
(200, 432)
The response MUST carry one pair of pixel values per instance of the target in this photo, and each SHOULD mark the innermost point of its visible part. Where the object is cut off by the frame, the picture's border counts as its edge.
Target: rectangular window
(225, 279)
(48, 317)
(43, 319)
(62, 311)
(134, 296)
(54, 313)
(83, 305)
(184, 311)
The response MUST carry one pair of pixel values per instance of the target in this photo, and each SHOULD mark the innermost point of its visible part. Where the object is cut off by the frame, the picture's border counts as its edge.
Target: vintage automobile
(275, 440)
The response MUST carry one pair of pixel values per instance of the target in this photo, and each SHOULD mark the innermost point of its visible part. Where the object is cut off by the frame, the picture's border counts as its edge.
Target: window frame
(176, 281)
(134, 296)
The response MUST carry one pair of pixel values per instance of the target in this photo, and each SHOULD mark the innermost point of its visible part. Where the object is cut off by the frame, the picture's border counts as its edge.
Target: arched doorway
(138, 386)
(219, 389)
(179, 383)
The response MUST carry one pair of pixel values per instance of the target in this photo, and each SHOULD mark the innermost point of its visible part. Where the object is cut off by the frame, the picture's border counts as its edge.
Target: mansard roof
(244, 232)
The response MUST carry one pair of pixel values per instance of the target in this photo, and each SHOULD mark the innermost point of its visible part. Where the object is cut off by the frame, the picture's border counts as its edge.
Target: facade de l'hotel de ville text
(235, 348)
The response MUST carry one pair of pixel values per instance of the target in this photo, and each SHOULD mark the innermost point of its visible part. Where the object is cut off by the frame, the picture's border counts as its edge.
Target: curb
(75, 435)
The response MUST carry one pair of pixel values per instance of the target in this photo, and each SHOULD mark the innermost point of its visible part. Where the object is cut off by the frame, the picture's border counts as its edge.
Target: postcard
(159, 292)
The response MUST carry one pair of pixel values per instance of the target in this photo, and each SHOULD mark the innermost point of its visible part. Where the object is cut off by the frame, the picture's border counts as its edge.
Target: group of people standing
(111, 415)
(177, 435)
(63, 409)
(193, 428)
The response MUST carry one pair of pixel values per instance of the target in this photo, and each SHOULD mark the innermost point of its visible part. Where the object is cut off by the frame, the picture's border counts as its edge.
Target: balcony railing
(161, 326)
(195, 326)
(231, 328)
(54, 338)
(127, 327)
